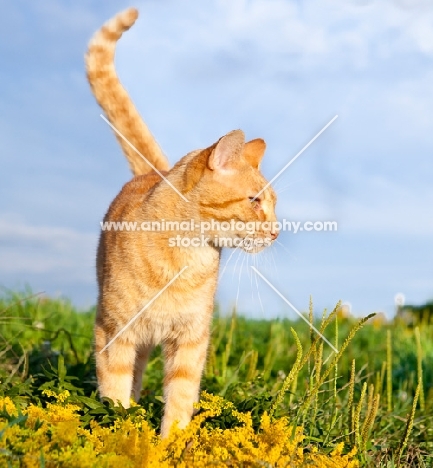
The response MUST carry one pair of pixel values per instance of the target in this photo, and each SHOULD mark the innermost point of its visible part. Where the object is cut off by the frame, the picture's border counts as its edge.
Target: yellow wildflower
(59, 397)
(7, 404)
(56, 433)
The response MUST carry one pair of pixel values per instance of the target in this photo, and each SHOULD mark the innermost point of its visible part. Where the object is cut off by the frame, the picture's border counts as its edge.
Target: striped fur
(132, 267)
(114, 99)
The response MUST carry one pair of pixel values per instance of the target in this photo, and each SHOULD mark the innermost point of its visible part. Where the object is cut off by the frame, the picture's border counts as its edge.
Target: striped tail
(114, 99)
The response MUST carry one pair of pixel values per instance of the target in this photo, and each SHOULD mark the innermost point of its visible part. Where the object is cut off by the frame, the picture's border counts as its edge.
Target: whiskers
(228, 260)
(264, 261)
(280, 244)
(239, 279)
(256, 259)
(237, 259)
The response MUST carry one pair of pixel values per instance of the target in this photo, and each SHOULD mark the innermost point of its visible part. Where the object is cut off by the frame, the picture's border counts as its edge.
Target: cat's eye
(255, 202)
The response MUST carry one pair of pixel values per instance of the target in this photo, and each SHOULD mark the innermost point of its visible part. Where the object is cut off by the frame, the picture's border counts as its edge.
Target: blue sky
(279, 70)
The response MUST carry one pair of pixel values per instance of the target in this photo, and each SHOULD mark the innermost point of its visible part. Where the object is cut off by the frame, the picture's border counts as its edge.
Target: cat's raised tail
(114, 99)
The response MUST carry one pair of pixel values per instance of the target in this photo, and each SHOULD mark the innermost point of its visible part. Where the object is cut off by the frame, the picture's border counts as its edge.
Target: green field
(274, 383)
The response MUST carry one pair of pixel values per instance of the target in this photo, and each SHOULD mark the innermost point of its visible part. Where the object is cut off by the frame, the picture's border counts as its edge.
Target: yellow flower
(60, 397)
(7, 404)
(56, 432)
(338, 450)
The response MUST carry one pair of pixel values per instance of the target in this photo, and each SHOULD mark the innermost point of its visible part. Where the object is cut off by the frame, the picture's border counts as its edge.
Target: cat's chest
(201, 259)
(184, 309)
(198, 270)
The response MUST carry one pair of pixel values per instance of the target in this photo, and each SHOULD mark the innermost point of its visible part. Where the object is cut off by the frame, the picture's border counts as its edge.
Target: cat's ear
(254, 151)
(227, 150)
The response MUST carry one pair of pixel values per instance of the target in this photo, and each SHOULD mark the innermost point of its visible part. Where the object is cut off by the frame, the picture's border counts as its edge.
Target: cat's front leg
(184, 363)
(114, 366)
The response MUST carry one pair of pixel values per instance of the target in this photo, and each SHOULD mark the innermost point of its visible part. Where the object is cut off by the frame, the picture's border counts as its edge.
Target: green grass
(364, 398)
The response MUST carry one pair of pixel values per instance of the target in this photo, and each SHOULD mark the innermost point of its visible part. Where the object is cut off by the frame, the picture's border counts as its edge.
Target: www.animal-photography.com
(216, 234)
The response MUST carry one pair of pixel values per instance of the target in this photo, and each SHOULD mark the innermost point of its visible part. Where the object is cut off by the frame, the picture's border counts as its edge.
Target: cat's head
(227, 186)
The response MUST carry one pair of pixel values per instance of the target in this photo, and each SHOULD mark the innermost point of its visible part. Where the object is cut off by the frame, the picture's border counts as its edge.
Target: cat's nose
(274, 235)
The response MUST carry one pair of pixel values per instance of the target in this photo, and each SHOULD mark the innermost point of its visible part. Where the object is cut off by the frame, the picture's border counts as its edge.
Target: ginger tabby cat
(220, 183)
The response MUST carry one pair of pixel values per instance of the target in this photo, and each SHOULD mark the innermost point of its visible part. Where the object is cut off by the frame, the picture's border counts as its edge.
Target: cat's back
(118, 236)
(132, 197)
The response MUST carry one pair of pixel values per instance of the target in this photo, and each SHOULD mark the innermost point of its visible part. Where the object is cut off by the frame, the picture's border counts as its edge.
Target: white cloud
(319, 33)
(387, 208)
(28, 249)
